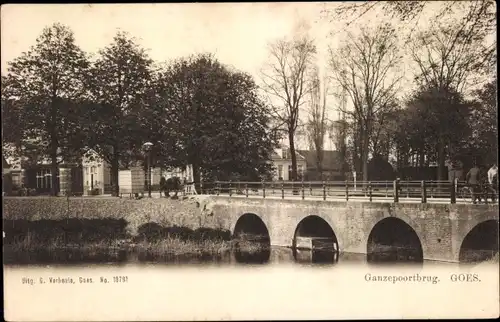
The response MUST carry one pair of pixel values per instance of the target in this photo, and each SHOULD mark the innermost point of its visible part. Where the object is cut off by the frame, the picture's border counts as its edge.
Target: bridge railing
(396, 191)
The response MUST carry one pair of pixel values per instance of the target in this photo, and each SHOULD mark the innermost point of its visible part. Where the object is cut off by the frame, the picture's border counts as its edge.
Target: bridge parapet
(376, 191)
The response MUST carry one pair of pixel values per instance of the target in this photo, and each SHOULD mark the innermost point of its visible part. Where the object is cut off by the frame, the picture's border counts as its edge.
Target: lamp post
(147, 147)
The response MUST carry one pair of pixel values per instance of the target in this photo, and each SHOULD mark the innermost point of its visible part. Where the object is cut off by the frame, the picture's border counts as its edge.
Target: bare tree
(476, 19)
(364, 68)
(286, 81)
(317, 121)
(449, 58)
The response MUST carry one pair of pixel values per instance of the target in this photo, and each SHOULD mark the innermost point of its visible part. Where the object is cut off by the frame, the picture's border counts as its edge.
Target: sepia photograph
(250, 161)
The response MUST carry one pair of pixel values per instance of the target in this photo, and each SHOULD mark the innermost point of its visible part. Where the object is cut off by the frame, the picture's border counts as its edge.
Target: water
(273, 256)
(277, 283)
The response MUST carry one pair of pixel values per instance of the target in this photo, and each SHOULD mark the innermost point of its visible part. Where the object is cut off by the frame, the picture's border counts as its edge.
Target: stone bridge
(440, 231)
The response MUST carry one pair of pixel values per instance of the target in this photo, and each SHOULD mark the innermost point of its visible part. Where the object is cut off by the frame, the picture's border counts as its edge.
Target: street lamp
(147, 147)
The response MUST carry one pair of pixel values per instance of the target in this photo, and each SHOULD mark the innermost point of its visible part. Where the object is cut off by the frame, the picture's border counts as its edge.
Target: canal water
(275, 284)
(273, 256)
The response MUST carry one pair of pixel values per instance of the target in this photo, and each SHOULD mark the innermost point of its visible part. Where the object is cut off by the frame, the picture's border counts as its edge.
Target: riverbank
(70, 239)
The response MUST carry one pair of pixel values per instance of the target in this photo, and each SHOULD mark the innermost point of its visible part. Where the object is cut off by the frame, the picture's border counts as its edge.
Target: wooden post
(423, 186)
(453, 194)
(396, 190)
(246, 189)
(370, 190)
(324, 191)
(303, 189)
(230, 192)
(346, 190)
(217, 186)
(263, 189)
(310, 189)
(282, 189)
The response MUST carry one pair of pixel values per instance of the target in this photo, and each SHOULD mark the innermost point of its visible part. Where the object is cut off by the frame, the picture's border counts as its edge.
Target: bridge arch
(321, 240)
(393, 239)
(481, 243)
(252, 239)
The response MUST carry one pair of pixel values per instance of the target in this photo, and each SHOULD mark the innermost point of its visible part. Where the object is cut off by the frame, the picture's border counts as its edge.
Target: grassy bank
(87, 237)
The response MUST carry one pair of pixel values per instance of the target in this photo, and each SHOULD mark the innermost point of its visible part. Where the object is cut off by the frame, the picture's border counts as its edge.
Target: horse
(170, 184)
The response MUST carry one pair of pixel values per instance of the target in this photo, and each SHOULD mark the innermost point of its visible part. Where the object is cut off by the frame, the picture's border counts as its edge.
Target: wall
(191, 213)
(441, 228)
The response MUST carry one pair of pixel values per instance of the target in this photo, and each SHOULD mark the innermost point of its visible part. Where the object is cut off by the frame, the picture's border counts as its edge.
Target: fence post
(282, 189)
(230, 192)
(302, 189)
(407, 189)
(396, 190)
(217, 186)
(346, 190)
(324, 191)
(310, 190)
(263, 189)
(386, 190)
(246, 189)
(424, 191)
(453, 194)
(370, 190)
(201, 186)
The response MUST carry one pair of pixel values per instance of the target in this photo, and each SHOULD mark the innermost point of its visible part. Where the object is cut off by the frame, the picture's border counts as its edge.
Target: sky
(237, 33)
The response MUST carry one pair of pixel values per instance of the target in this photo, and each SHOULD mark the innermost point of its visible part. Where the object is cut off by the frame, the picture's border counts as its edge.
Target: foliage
(211, 117)
(445, 115)
(117, 85)
(39, 89)
(483, 140)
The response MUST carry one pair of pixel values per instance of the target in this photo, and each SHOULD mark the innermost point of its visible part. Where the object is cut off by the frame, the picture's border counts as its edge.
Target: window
(43, 179)
(300, 170)
(284, 153)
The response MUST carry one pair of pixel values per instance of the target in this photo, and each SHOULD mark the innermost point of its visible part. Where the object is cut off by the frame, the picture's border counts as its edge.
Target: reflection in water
(239, 255)
(69, 256)
(321, 250)
(250, 249)
(315, 256)
(386, 254)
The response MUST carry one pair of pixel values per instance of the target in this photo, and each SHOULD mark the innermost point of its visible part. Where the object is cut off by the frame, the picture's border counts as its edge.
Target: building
(331, 165)
(34, 175)
(282, 162)
(96, 174)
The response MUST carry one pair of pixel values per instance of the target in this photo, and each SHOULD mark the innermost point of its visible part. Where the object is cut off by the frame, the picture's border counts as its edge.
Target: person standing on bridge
(473, 181)
(493, 181)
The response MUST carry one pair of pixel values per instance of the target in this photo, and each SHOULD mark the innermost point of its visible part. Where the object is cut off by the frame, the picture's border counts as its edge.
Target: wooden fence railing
(395, 191)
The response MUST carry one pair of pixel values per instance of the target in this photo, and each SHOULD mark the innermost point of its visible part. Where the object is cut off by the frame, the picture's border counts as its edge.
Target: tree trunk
(196, 176)
(319, 163)
(53, 145)
(293, 155)
(364, 155)
(54, 171)
(441, 158)
(114, 174)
